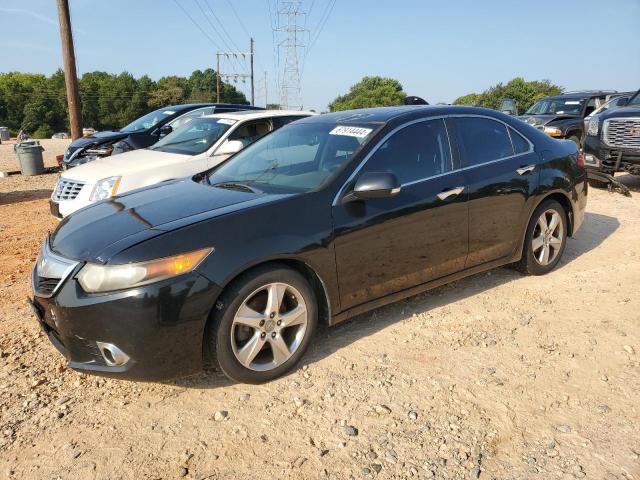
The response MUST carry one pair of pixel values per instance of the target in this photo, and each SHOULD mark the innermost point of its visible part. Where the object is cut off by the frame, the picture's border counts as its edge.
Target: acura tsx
(321, 220)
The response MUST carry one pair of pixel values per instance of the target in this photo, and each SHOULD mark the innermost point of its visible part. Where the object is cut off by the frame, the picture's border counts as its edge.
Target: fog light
(113, 356)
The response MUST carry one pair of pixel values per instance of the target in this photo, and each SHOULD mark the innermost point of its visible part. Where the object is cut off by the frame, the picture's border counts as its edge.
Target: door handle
(527, 169)
(450, 192)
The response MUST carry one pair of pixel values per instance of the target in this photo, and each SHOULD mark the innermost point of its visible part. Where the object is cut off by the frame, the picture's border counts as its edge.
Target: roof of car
(385, 114)
(583, 94)
(257, 114)
(183, 106)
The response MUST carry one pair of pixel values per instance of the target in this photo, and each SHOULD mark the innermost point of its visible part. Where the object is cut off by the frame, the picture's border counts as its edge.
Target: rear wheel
(265, 325)
(545, 240)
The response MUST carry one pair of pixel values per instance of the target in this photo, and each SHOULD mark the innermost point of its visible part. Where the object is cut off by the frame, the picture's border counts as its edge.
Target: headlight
(107, 278)
(593, 127)
(120, 147)
(553, 131)
(105, 188)
(103, 151)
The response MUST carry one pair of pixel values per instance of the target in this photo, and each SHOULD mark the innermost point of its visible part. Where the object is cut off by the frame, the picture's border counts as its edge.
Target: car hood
(122, 164)
(98, 232)
(538, 120)
(621, 112)
(98, 138)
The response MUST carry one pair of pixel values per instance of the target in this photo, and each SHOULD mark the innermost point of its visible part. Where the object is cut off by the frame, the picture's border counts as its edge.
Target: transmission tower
(292, 32)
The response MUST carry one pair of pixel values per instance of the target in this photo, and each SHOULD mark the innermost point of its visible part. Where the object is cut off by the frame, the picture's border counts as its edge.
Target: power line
(238, 18)
(196, 24)
(216, 30)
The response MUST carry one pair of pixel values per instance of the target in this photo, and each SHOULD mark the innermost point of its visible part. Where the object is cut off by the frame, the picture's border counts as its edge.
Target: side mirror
(374, 185)
(623, 102)
(229, 147)
(165, 130)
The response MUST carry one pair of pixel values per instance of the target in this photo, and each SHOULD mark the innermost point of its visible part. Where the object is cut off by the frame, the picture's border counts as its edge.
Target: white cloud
(29, 13)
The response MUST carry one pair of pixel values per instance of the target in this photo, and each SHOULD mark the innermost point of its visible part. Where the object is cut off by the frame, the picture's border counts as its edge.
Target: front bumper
(603, 158)
(159, 327)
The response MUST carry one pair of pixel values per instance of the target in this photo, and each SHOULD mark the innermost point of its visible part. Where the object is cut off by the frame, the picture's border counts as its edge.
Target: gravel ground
(498, 376)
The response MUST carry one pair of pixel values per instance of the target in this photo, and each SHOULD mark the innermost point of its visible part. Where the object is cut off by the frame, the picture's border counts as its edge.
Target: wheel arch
(309, 273)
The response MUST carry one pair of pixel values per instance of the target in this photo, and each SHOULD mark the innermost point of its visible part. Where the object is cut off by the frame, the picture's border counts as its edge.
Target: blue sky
(437, 49)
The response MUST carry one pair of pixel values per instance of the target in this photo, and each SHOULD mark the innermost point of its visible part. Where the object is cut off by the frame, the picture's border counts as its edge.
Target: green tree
(470, 99)
(525, 93)
(370, 92)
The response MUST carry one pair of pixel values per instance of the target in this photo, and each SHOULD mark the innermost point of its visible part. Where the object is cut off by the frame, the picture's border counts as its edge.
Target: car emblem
(634, 132)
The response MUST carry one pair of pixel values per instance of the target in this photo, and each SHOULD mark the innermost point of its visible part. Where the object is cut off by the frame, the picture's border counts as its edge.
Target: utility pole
(218, 77)
(235, 76)
(266, 97)
(70, 73)
(253, 93)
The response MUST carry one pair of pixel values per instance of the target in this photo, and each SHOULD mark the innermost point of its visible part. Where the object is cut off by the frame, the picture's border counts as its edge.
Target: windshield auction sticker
(357, 132)
(226, 121)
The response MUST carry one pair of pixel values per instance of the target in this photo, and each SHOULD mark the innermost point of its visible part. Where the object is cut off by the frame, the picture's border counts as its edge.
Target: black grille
(46, 285)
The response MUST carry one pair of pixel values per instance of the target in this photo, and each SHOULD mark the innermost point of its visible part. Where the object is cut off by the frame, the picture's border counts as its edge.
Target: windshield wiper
(242, 187)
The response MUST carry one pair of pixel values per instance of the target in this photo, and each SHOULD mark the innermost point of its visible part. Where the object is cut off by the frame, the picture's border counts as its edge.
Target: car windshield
(296, 158)
(635, 100)
(557, 106)
(195, 137)
(147, 121)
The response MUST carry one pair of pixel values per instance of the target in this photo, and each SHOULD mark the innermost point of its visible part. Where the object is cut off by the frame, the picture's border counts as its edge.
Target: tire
(533, 261)
(241, 327)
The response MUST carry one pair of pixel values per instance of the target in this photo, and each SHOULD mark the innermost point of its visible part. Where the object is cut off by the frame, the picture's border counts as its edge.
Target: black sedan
(322, 220)
(141, 133)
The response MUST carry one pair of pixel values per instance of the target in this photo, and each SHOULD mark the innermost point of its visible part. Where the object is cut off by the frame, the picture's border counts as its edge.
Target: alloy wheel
(269, 326)
(548, 236)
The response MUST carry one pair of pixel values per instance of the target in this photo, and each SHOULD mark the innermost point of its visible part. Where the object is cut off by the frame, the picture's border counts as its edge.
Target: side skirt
(409, 292)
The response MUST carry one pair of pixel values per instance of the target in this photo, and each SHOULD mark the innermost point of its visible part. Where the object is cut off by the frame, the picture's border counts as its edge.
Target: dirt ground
(498, 376)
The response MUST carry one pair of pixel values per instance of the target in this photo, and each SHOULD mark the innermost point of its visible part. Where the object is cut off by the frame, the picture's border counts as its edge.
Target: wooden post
(253, 94)
(217, 77)
(70, 73)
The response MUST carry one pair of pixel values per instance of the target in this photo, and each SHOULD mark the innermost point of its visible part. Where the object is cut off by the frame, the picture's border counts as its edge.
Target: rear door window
(520, 144)
(414, 153)
(482, 140)
(251, 131)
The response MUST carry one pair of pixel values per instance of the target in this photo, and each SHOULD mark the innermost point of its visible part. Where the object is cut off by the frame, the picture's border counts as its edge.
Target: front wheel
(264, 325)
(545, 240)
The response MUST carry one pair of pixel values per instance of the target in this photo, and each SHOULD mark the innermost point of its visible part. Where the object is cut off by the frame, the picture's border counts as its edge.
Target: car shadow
(595, 230)
(23, 196)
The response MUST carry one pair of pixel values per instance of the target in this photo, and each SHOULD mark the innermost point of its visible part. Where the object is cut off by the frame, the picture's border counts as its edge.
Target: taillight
(59, 159)
(580, 159)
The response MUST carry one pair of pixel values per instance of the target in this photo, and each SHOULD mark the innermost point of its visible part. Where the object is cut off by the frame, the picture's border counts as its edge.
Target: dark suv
(612, 141)
(561, 116)
(141, 133)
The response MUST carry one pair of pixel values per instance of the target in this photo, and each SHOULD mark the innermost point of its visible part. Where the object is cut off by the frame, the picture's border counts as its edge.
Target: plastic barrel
(4, 134)
(30, 157)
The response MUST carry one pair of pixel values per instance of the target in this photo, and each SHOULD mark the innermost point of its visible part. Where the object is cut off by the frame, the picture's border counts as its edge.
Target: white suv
(195, 146)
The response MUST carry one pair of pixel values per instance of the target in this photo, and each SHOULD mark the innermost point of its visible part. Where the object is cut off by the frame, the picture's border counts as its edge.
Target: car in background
(197, 144)
(59, 136)
(326, 218)
(141, 133)
(508, 106)
(561, 116)
(615, 101)
(612, 142)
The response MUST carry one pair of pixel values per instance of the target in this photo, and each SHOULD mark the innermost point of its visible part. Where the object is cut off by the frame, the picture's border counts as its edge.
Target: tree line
(381, 91)
(38, 103)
